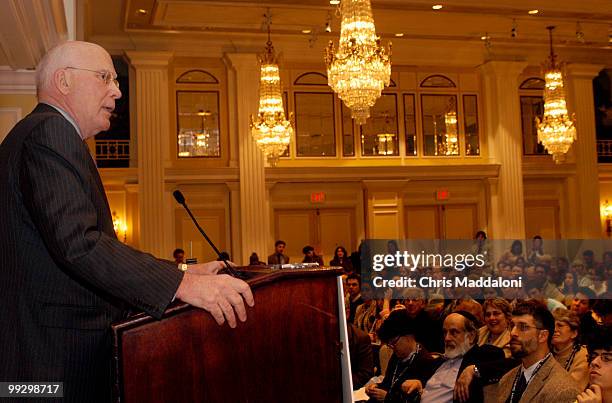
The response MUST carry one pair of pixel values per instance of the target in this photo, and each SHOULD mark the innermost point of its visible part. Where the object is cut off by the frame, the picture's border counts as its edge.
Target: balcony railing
(117, 150)
(113, 153)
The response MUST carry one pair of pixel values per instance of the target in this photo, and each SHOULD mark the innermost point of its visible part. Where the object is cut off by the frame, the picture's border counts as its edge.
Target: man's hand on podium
(208, 267)
(221, 295)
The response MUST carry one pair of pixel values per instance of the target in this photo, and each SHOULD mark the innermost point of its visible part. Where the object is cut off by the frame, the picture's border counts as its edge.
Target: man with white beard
(468, 367)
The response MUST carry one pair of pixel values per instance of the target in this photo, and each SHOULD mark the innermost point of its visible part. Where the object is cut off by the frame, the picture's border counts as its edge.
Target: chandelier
(361, 67)
(271, 131)
(556, 130)
(451, 143)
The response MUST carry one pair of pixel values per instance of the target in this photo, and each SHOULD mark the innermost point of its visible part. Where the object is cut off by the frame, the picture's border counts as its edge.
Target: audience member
(360, 349)
(278, 257)
(582, 304)
(310, 256)
(539, 377)
(534, 291)
(537, 250)
(179, 256)
(353, 295)
(569, 287)
(497, 317)
(254, 260)
(566, 347)
(467, 367)
(409, 361)
(429, 331)
(600, 364)
(341, 259)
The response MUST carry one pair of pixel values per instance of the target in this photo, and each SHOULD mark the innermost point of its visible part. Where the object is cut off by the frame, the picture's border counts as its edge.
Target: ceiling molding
(29, 28)
(17, 82)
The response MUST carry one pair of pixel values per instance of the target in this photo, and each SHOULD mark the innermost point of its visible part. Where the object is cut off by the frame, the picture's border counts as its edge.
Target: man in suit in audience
(539, 378)
(278, 257)
(64, 275)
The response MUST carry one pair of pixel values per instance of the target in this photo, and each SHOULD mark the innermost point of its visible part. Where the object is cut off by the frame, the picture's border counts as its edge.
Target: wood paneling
(542, 218)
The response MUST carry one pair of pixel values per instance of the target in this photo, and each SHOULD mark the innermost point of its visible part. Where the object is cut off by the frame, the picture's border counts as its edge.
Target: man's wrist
(183, 267)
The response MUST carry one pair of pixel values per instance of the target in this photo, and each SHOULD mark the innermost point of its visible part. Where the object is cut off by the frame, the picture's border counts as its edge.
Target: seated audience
(341, 259)
(468, 367)
(254, 260)
(473, 307)
(600, 364)
(582, 305)
(566, 347)
(410, 360)
(539, 378)
(535, 292)
(496, 331)
(278, 257)
(179, 256)
(569, 287)
(429, 331)
(310, 256)
(353, 295)
(360, 349)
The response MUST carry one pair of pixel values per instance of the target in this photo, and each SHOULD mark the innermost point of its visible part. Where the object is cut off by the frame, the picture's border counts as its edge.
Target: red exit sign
(442, 194)
(317, 197)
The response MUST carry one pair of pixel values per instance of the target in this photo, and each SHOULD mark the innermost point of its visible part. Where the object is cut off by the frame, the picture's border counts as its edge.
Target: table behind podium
(288, 350)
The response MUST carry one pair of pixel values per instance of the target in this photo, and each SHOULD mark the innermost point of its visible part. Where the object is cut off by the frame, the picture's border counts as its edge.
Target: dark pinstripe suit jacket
(64, 276)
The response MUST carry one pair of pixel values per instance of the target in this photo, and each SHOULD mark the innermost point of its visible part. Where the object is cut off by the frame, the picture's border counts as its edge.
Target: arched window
(438, 81)
(311, 78)
(532, 83)
(197, 77)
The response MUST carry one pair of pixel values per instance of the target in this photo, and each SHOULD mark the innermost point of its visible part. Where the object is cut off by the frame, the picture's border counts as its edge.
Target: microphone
(181, 200)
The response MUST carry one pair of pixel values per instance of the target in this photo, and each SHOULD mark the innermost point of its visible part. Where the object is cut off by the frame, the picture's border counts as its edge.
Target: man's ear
(62, 81)
(543, 337)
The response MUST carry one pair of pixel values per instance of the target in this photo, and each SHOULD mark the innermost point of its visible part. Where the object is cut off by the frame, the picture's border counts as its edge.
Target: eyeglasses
(523, 327)
(605, 357)
(393, 342)
(104, 75)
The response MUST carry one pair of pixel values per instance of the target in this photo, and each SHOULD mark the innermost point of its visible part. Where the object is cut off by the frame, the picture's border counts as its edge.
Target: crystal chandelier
(361, 67)
(270, 129)
(556, 130)
(451, 143)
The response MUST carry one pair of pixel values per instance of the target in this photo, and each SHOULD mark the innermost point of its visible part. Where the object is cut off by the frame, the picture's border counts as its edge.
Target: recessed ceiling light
(306, 31)
(334, 2)
(399, 34)
(437, 6)
(533, 12)
(142, 11)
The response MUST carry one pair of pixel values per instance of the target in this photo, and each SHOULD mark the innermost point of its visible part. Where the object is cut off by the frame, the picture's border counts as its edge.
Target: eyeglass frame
(523, 327)
(593, 356)
(104, 75)
(393, 342)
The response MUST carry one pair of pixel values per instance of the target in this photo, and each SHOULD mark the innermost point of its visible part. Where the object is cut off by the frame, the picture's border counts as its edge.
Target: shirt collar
(67, 116)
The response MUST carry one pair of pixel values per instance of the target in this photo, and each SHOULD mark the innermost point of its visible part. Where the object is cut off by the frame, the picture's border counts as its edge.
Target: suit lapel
(538, 381)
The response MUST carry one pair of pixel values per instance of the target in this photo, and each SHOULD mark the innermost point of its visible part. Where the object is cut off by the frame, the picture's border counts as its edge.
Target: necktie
(520, 388)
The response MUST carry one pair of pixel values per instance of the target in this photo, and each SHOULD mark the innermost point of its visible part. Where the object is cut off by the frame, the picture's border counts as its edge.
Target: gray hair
(59, 57)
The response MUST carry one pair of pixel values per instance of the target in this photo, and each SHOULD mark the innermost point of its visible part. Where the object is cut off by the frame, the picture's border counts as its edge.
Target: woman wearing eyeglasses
(600, 368)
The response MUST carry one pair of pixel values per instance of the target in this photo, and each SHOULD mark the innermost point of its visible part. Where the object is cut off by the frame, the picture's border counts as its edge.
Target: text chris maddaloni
(459, 281)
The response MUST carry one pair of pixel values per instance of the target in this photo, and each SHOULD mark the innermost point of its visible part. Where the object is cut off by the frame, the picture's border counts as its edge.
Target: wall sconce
(120, 227)
(606, 212)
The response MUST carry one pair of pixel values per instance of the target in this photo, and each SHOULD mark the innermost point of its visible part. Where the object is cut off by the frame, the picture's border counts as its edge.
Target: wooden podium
(288, 350)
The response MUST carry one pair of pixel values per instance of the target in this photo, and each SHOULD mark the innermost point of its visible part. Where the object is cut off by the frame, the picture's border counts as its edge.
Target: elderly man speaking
(64, 276)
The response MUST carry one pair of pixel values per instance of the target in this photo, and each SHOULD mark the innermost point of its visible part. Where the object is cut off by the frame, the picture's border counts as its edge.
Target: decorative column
(503, 123)
(580, 93)
(254, 203)
(150, 82)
